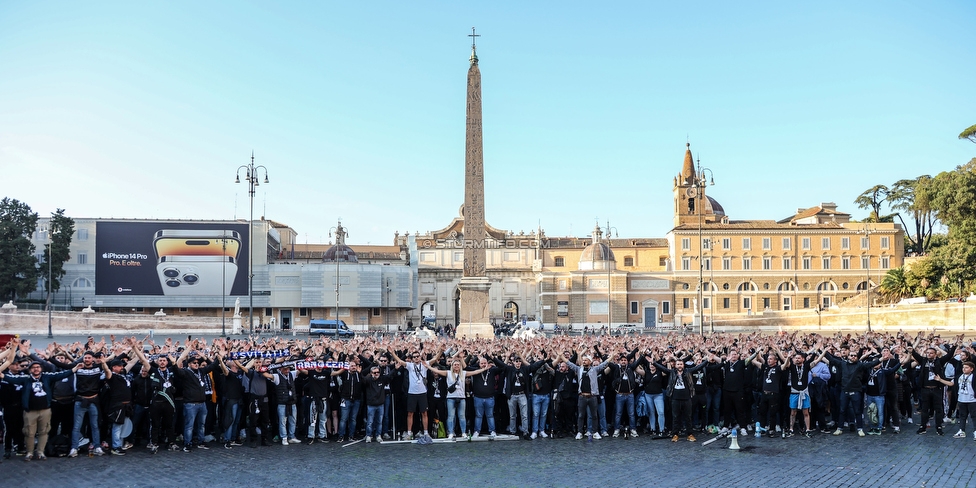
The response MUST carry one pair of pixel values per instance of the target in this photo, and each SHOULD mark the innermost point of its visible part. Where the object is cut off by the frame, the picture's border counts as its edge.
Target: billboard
(171, 258)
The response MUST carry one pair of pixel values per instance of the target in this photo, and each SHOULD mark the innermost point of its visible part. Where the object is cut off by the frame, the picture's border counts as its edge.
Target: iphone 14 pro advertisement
(171, 258)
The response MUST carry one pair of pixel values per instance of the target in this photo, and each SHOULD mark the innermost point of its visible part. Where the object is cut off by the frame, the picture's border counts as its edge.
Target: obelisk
(474, 285)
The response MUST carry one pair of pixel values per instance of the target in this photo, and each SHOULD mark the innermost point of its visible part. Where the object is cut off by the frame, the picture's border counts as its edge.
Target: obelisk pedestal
(474, 285)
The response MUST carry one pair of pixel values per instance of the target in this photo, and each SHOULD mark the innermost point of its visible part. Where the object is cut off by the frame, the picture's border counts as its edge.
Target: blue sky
(145, 109)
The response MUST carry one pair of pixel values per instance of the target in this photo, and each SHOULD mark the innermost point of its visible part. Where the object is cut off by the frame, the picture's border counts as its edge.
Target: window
(747, 303)
(707, 243)
(787, 303)
(826, 262)
(562, 284)
(805, 243)
(303, 312)
(885, 241)
(825, 243)
(686, 263)
(268, 312)
(634, 308)
(376, 312)
(706, 303)
(865, 243)
(628, 261)
(686, 243)
(806, 302)
(708, 264)
(845, 262)
(459, 256)
(787, 263)
(665, 308)
(746, 243)
(767, 243)
(510, 256)
(562, 309)
(82, 258)
(766, 303)
(82, 283)
(767, 263)
(428, 257)
(726, 302)
(726, 263)
(183, 309)
(885, 263)
(787, 243)
(746, 263)
(806, 262)
(845, 242)
(42, 233)
(559, 262)
(685, 303)
(662, 261)
(82, 234)
(865, 262)
(726, 243)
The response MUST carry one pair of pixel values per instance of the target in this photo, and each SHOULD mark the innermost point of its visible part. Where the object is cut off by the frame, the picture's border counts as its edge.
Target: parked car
(629, 328)
(335, 328)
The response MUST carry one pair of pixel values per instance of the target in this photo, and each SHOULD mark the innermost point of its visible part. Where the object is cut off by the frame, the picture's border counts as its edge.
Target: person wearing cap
(285, 393)
(119, 381)
(36, 392)
(515, 386)
(194, 397)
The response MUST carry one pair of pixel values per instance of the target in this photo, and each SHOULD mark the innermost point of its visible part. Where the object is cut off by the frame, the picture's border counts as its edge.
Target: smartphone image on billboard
(196, 262)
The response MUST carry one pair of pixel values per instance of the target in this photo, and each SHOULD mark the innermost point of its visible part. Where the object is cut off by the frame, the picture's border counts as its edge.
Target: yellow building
(816, 257)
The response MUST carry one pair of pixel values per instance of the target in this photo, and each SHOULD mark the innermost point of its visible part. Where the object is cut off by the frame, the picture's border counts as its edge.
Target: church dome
(715, 207)
(597, 255)
(340, 252)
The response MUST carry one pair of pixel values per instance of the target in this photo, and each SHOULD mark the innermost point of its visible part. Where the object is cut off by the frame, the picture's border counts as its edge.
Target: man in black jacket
(517, 378)
(851, 371)
(932, 382)
(375, 385)
(194, 399)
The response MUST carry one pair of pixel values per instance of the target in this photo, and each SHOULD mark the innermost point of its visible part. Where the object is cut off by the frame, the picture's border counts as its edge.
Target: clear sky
(145, 109)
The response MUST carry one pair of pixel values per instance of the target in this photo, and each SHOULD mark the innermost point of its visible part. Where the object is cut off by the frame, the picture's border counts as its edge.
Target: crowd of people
(109, 396)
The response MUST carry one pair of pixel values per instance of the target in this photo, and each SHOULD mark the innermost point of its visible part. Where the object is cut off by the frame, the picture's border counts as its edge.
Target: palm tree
(894, 286)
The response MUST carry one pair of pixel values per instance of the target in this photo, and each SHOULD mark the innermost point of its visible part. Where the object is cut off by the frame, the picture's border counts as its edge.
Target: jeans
(601, 413)
(852, 405)
(374, 419)
(879, 402)
(481, 405)
(586, 409)
(287, 419)
(388, 413)
(522, 404)
(540, 412)
(625, 400)
(232, 417)
(92, 411)
(349, 410)
(117, 436)
(713, 404)
(318, 419)
(655, 410)
(456, 405)
(194, 418)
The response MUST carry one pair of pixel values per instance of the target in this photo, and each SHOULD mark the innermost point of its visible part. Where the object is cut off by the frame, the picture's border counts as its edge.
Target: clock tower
(687, 200)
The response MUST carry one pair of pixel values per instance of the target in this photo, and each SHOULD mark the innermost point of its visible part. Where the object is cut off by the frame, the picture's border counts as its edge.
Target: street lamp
(609, 279)
(251, 175)
(50, 333)
(867, 270)
(700, 182)
(340, 235)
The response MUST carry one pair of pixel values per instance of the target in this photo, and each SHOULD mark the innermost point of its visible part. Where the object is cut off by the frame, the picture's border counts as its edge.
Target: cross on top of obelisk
(474, 54)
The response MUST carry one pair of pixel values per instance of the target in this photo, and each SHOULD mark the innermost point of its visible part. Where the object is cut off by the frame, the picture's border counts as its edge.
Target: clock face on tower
(692, 192)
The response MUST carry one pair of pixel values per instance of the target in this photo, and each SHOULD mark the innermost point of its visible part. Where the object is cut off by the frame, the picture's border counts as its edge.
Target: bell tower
(687, 201)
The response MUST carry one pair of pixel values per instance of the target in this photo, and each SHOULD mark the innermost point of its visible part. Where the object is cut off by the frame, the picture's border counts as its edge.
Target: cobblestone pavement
(890, 460)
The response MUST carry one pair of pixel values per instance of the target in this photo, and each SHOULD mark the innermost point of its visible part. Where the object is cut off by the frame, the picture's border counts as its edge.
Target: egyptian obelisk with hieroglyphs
(474, 285)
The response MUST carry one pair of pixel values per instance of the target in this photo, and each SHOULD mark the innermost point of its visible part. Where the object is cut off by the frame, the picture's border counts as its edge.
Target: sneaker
(450, 437)
(29, 456)
(938, 430)
(83, 442)
(99, 451)
(743, 432)
(322, 439)
(778, 429)
(533, 436)
(633, 433)
(839, 431)
(492, 435)
(227, 445)
(825, 431)
(174, 447)
(284, 442)
(386, 437)
(475, 435)
(294, 441)
(73, 453)
(409, 437)
(691, 438)
(808, 434)
(596, 435)
(921, 430)
(860, 432)
(117, 452)
(616, 433)
(788, 433)
(186, 448)
(203, 446)
(127, 446)
(675, 438)
(151, 446)
(910, 420)
(544, 435)
(41, 457)
(959, 435)
(896, 430)
(578, 436)
(369, 439)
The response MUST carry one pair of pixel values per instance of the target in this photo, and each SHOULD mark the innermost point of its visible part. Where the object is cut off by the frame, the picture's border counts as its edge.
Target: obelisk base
(474, 309)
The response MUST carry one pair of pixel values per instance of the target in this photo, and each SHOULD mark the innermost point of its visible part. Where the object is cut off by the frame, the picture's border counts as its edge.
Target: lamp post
(609, 280)
(867, 270)
(223, 288)
(50, 333)
(340, 235)
(700, 182)
(251, 175)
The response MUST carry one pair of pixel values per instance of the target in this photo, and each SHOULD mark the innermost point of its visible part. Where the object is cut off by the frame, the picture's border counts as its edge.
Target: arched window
(82, 283)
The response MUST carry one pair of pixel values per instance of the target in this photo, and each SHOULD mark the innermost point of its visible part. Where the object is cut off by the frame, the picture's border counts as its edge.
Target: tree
(969, 133)
(18, 265)
(914, 197)
(953, 199)
(894, 286)
(61, 229)
(872, 198)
